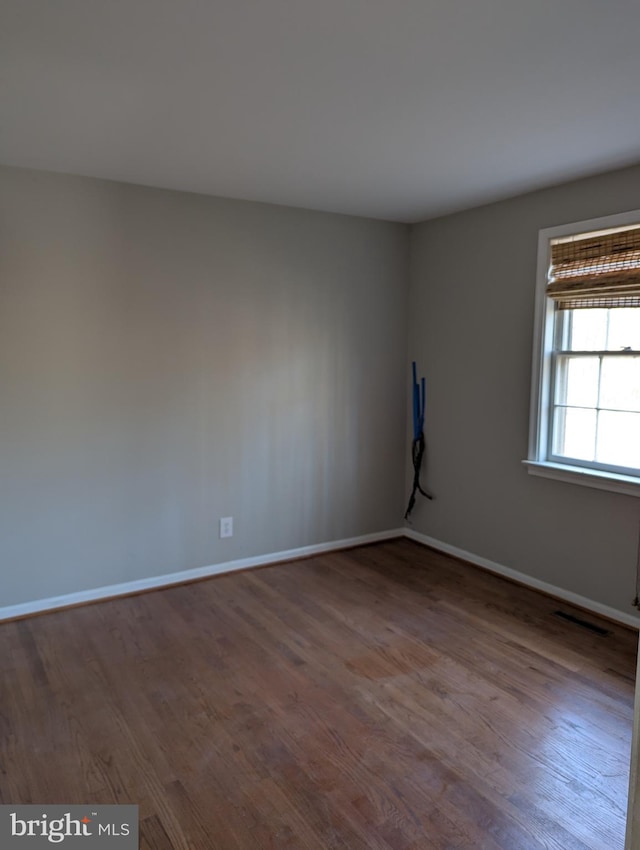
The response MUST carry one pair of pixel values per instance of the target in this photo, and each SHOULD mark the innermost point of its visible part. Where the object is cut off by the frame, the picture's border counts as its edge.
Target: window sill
(626, 484)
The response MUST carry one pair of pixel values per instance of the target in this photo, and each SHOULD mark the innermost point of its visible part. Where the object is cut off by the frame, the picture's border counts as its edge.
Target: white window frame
(538, 460)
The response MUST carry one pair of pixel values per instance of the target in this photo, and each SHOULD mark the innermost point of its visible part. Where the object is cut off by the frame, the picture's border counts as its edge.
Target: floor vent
(583, 623)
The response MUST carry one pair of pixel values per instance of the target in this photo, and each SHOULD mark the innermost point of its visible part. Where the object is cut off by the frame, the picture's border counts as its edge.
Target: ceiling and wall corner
(397, 111)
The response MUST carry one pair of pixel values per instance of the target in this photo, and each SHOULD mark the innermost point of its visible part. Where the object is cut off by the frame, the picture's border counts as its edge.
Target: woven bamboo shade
(598, 271)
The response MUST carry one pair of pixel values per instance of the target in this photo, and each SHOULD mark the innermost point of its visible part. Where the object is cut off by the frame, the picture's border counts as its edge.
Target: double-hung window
(585, 421)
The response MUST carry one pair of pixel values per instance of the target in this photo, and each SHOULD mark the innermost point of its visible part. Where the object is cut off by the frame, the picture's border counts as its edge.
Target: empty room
(319, 425)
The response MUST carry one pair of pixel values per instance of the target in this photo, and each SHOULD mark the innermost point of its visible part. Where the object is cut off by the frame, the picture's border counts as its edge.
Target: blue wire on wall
(418, 443)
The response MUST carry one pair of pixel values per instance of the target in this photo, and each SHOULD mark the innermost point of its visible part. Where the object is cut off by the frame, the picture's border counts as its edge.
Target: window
(585, 404)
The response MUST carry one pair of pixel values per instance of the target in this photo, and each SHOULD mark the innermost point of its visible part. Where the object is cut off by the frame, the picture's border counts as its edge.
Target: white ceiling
(399, 109)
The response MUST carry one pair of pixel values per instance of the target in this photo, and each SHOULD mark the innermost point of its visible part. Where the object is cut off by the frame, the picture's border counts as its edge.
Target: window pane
(620, 383)
(574, 433)
(624, 328)
(577, 381)
(588, 330)
(619, 439)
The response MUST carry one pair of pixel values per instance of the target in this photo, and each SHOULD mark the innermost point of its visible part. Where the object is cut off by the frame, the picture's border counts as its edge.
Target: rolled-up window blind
(597, 270)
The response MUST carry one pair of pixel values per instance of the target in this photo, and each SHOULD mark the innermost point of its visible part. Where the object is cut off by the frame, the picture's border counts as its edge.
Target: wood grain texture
(383, 698)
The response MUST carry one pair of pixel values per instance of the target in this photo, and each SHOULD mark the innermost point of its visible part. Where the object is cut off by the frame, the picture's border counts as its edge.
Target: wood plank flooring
(383, 698)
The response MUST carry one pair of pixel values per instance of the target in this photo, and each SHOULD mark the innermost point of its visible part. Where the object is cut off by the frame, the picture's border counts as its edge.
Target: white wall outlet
(226, 526)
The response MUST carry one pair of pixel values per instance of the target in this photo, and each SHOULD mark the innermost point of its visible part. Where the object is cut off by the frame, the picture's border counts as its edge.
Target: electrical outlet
(226, 526)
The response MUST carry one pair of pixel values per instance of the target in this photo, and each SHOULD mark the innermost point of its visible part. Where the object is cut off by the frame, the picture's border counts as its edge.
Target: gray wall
(169, 358)
(471, 326)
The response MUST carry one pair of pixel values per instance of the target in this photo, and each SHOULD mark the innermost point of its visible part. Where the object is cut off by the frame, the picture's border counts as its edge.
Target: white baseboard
(529, 581)
(24, 609)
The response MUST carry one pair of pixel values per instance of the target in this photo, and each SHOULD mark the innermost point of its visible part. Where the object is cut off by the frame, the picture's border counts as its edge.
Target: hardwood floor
(384, 698)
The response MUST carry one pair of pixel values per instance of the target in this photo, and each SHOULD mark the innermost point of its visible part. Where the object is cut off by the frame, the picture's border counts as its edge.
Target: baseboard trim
(69, 600)
(550, 589)
(129, 588)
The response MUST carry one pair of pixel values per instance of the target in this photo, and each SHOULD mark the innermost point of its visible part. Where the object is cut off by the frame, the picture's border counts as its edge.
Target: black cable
(417, 454)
